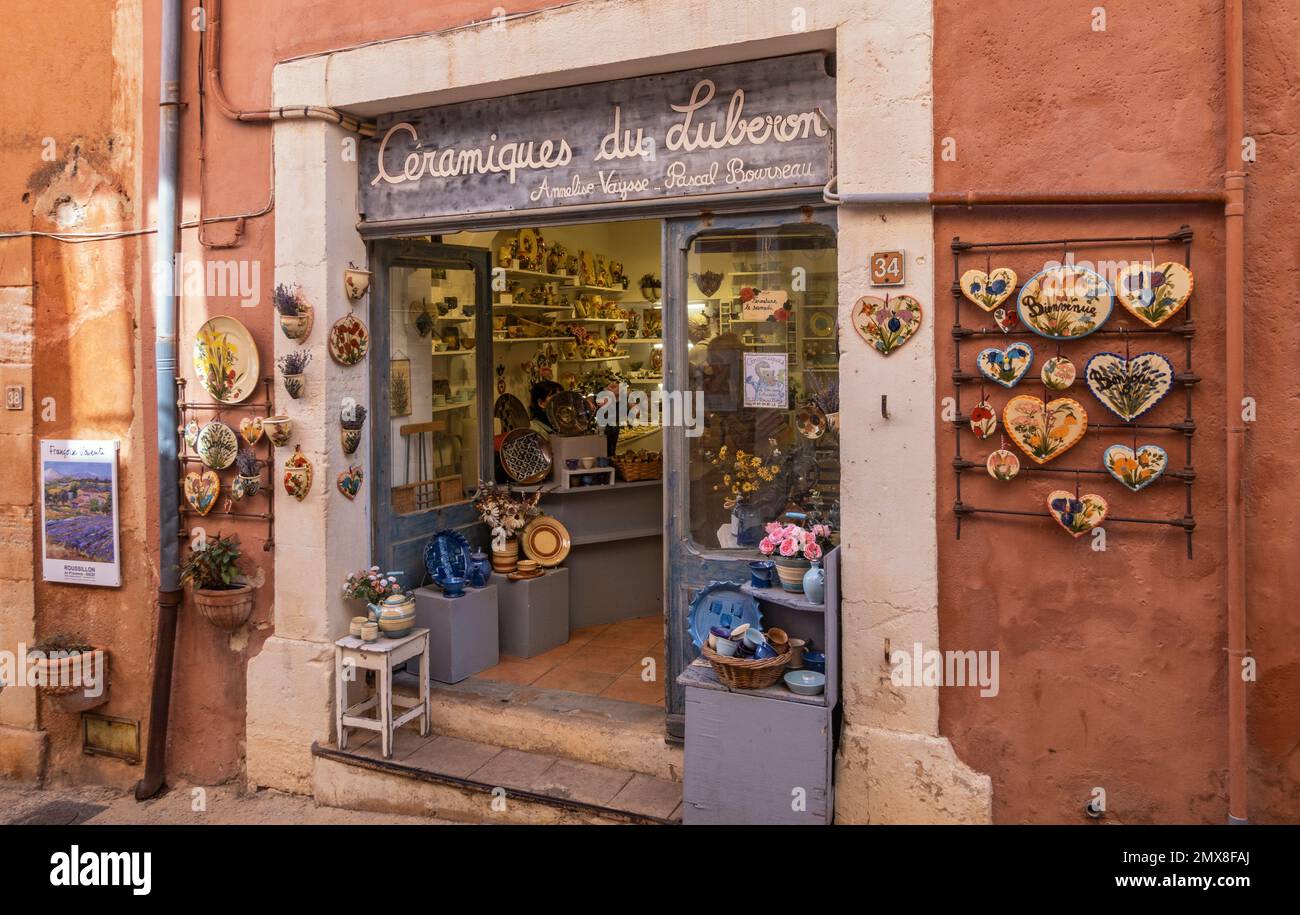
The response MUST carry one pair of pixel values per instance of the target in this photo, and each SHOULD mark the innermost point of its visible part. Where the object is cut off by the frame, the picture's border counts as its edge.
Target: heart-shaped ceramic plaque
(983, 419)
(988, 290)
(1064, 302)
(1153, 295)
(1002, 465)
(349, 481)
(1044, 430)
(1006, 319)
(1077, 514)
(1129, 387)
(886, 324)
(201, 490)
(1005, 366)
(250, 428)
(1135, 471)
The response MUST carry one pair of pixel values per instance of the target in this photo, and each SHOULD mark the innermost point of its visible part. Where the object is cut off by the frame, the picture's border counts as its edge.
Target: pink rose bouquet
(791, 541)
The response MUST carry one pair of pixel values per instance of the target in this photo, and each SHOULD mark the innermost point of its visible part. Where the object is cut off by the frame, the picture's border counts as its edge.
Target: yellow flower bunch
(742, 474)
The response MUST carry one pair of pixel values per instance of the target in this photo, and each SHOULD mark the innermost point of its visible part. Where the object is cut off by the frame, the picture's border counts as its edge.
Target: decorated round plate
(447, 555)
(512, 413)
(721, 603)
(225, 359)
(1065, 302)
(526, 456)
(349, 340)
(811, 421)
(569, 413)
(820, 324)
(217, 445)
(546, 540)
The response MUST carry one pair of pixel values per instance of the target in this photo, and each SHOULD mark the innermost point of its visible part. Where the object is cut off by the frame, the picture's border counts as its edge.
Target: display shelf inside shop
(268, 475)
(1186, 378)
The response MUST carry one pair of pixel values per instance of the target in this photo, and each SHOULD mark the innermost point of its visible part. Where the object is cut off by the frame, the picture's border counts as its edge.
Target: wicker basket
(632, 471)
(739, 673)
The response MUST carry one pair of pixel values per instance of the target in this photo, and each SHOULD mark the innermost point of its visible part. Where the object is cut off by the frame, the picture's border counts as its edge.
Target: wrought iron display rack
(1187, 378)
(266, 491)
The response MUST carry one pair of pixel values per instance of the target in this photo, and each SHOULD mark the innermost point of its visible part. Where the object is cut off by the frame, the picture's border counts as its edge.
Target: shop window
(434, 458)
(761, 326)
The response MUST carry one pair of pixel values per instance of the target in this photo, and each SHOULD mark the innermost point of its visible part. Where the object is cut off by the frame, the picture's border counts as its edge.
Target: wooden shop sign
(730, 129)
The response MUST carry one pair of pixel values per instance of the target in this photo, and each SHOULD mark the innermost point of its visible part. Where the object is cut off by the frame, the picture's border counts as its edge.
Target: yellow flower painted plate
(225, 359)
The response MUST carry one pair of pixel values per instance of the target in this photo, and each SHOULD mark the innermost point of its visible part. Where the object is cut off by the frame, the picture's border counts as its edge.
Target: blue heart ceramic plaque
(1005, 366)
(1129, 387)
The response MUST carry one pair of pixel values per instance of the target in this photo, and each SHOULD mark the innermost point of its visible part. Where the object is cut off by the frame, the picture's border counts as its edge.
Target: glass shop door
(431, 430)
(750, 339)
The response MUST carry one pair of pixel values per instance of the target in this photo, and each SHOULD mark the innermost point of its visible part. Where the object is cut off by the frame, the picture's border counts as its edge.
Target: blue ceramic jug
(814, 583)
(480, 569)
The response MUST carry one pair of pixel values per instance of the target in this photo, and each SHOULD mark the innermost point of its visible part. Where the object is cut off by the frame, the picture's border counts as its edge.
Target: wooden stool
(381, 656)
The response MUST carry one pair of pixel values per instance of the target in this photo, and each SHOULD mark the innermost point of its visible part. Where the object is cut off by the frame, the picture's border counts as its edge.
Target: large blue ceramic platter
(446, 555)
(721, 603)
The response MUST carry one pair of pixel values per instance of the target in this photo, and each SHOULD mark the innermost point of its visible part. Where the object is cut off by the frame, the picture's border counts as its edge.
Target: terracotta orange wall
(1113, 664)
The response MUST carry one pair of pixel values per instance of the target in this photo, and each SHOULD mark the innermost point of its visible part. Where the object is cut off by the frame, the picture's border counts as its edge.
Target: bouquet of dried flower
(294, 363)
(505, 512)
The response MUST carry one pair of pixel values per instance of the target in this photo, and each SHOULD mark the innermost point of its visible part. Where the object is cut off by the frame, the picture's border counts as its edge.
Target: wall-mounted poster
(767, 381)
(399, 387)
(764, 306)
(79, 524)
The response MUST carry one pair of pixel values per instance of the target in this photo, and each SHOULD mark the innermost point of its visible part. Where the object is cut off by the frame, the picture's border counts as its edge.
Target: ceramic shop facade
(349, 207)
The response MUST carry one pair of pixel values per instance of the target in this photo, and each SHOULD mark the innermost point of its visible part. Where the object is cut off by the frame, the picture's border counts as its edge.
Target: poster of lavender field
(79, 521)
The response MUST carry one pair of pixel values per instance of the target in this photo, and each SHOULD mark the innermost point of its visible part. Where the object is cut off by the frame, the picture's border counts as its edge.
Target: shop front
(596, 332)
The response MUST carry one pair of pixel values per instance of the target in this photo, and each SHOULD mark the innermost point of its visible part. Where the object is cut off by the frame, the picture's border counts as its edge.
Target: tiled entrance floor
(605, 661)
(486, 766)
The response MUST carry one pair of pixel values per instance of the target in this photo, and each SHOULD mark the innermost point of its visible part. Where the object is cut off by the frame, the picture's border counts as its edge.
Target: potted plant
(650, 287)
(351, 419)
(295, 311)
(371, 585)
(65, 664)
(291, 369)
(248, 474)
(506, 513)
(794, 549)
(214, 573)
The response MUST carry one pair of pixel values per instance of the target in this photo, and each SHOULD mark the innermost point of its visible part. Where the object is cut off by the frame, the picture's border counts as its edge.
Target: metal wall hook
(884, 405)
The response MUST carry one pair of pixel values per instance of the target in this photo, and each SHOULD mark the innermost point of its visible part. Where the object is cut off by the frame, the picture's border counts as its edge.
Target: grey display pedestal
(534, 613)
(462, 631)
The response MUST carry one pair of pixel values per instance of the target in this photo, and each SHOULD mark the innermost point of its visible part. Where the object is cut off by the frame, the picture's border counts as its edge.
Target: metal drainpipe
(1234, 219)
(169, 593)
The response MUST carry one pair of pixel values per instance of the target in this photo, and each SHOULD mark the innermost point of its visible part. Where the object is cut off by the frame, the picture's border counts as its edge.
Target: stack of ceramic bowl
(525, 569)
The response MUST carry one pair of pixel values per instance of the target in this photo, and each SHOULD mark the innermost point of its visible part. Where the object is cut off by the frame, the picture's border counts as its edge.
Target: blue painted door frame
(689, 567)
(398, 540)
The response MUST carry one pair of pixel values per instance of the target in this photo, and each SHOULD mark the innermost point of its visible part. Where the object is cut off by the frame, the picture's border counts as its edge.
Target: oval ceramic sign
(1065, 302)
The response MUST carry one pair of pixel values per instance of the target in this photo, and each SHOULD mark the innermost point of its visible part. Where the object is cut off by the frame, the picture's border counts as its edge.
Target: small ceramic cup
(588, 463)
(369, 631)
(727, 648)
(764, 652)
(357, 623)
(718, 634)
(571, 463)
(796, 654)
(453, 586)
(778, 639)
(754, 638)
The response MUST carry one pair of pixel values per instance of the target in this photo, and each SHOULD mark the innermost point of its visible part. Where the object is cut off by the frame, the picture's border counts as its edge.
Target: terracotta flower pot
(791, 572)
(227, 609)
(73, 673)
(507, 559)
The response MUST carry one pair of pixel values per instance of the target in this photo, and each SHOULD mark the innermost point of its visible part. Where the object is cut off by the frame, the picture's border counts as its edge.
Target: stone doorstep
(618, 735)
(538, 787)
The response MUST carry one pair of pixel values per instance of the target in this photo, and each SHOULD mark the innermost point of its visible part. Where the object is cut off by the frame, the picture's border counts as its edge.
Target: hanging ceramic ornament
(225, 359)
(1002, 465)
(349, 482)
(1135, 470)
(201, 490)
(1058, 373)
(1005, 366)
(1077, 514)
(1154, 295)
(888, 323)
(1006, 319)
(988, 290)
(1044, 430)
(983, 419)
(1065, 302)
(192, 433)
(297, 474)
(1129, 387)
(217, 445)
(250, 427)
(348, 340)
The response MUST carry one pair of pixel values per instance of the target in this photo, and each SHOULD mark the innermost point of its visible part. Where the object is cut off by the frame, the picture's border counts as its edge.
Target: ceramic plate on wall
(217, 445)
(1065, 302)
(546, 540)
(225, 359)
(348, 340)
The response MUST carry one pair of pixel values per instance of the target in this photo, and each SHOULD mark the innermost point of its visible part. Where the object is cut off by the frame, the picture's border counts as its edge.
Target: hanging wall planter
(297, 474)
(64, 665)
(351, 419)
(356, 282)
(291, 370)
(212, 573)
(295, 311)
(248, 480)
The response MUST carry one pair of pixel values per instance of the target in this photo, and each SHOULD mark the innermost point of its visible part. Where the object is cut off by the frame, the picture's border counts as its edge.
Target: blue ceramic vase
(480, 569)
(814, 583)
